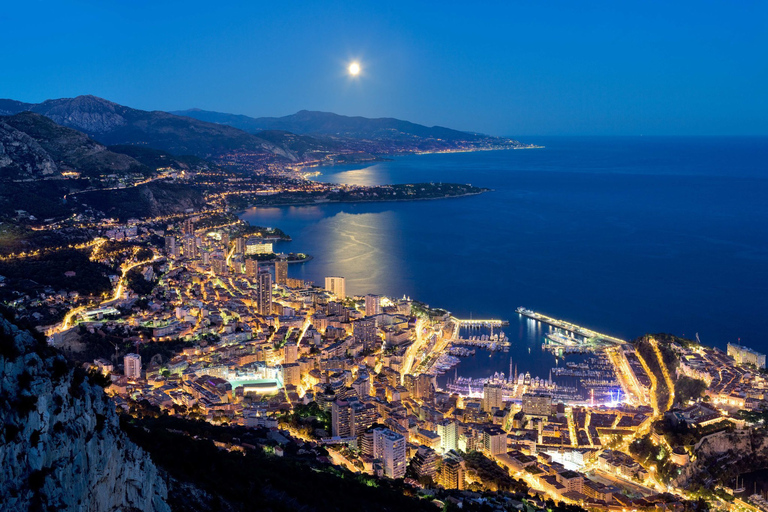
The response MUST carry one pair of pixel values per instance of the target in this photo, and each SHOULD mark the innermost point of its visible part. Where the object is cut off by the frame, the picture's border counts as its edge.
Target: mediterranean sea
(625, 235)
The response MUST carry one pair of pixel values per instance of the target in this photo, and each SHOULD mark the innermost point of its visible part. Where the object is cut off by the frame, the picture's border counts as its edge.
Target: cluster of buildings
(733, 379)
(259, 343)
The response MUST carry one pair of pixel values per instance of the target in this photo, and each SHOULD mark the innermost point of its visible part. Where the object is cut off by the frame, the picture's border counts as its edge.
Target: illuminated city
(207, 304)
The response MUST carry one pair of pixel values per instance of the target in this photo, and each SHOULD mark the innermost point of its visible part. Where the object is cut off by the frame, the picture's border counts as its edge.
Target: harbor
(576, 333)
(512, 387)
(532, 357)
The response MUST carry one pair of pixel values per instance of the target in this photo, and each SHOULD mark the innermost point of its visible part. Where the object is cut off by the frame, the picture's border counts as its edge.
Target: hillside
(70, 150)
(111, 124)
(148, 200)
(33, 147)
(156, 158)
(62, 447)
(327, 123)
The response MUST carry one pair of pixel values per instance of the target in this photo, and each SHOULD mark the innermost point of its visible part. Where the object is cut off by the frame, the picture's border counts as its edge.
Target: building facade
(744, 355)
(537, 404)
(264, 292)
(335, 285)
(389, 448)
(132, 366)
(281, 272)
(492, 398)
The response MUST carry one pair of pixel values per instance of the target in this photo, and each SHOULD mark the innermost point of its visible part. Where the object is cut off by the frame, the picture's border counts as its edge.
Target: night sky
(504, 68)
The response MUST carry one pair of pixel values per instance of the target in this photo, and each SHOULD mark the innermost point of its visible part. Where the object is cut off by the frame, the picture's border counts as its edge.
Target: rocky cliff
(110, 123)
(21, 157)
(723, 455)
(46, 143)
(62, 447)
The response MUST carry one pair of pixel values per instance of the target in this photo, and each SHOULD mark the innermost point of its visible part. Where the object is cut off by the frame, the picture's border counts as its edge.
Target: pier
(587, 334)
(482, 323)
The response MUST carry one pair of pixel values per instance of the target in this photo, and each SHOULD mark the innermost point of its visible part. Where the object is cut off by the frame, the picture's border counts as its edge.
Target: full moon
(354, 69)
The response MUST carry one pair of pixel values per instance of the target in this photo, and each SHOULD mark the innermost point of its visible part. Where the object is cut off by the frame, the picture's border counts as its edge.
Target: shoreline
(318, 203)
(290, 262)
(388, 157)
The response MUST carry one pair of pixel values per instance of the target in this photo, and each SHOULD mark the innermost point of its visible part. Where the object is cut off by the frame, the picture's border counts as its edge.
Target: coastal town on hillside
(201, 320)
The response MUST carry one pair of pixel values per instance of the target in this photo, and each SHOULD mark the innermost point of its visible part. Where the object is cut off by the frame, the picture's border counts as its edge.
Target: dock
(587, 334)
(482, 323)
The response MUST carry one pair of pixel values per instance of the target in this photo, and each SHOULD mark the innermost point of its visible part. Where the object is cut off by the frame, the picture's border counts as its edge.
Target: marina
(512, 388)
(580, 335)
(483, 355)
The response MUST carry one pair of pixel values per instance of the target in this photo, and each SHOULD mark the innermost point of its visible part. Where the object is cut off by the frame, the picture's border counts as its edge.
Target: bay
(625, 235)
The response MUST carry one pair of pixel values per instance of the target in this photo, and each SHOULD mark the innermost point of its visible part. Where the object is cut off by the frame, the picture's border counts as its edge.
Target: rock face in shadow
(110, 123)
(21, 157)
(35, 147)
(62, 447)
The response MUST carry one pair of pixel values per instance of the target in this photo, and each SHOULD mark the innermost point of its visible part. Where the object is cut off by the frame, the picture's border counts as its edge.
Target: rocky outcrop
(68, 148)
(21, 157)
(726, 450)
(62, 447)
(86, 113)
(111, 123)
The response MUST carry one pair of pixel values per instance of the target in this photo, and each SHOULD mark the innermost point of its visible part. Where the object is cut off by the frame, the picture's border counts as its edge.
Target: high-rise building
(365, 441)
(448, 430)
(492, 397)
(340, 418)
(362, 385)
(365, 333)
(281, 272)
(389, 448)
(189, 227)
(350, 418)
(190, 247)
(251, 268)
(225, 241)
(264, 292)
(335, 285)
(292, 374)
(337, 309)
(219, 266)
(425, 462)
(132, 366)
(170, 245)
(291, 353)
(452, 472)
(494, 440)
(537, 404)
(240, 246)
(425, 387)
(372, 305)
(238, 264)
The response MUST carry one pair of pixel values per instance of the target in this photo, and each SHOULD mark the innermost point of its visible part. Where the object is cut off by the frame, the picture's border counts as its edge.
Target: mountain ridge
(34, 146)
(113, 124)
(307, 122)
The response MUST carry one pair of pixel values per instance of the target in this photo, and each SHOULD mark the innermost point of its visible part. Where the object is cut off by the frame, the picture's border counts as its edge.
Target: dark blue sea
(626, 235)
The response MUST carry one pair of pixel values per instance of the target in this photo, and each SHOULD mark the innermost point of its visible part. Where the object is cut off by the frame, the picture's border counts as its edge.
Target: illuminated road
(635, 393)
(665, 374)
(68, 320)
(414, 348)
(95, 243)
(654, 384)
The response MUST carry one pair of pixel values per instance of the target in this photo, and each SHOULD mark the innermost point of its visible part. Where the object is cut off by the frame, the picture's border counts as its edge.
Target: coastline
(317, 203)
(388, 157)
(290, 262)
